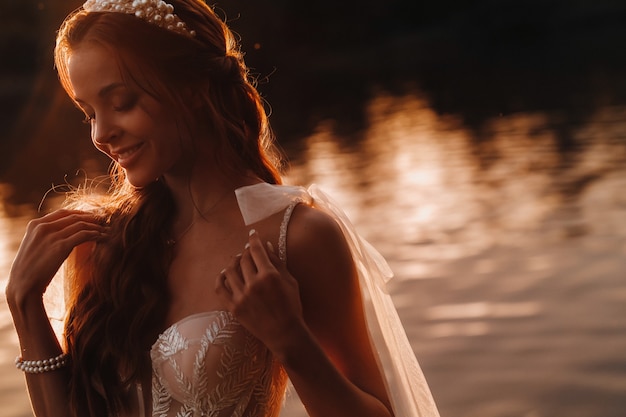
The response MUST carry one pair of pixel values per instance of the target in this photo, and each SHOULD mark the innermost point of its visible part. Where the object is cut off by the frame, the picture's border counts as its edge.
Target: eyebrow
(103, 91)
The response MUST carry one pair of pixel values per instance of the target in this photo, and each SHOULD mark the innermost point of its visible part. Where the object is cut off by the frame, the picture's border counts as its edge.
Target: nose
(103, 131)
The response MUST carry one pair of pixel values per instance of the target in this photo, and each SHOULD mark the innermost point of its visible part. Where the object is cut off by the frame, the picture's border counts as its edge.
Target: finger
(223, 291)
(56, 214)
(248, 268)
(258, 252)
(220, 287)
(68, 214)
(272, 255)
(46, 226)
(81, 226)
(79, 218)
(221, 282)
(233, 280)
(81, 236)
(67, 237)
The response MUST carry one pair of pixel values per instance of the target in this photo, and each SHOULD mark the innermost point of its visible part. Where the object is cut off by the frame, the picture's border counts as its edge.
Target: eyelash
(127, 105)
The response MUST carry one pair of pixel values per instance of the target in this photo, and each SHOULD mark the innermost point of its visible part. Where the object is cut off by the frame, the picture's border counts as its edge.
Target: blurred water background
(481, 147)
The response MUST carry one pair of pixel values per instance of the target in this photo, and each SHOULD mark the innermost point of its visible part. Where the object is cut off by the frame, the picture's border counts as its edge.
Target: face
(127, 124)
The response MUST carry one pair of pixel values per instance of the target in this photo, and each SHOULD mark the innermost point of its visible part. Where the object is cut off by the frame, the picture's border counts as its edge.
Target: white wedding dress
(209, 365)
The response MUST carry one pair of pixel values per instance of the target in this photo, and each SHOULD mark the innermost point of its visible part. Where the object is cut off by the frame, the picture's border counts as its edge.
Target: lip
(126, 156)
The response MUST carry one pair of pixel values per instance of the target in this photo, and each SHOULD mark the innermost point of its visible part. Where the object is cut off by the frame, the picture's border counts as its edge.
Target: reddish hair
(118, 294)
(203, 79)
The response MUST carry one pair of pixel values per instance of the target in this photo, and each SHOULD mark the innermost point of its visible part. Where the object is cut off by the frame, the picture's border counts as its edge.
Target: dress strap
(282, 237)
(259, 201)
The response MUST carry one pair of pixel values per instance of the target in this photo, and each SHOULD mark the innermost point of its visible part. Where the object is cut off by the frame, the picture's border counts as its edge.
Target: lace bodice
(209, 365)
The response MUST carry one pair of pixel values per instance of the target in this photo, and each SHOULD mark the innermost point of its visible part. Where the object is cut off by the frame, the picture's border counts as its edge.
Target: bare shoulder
(311, 229)
(315, 242)
(319, 257)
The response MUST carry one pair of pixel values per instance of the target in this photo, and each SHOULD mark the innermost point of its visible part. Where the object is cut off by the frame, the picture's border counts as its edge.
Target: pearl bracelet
(40, 366)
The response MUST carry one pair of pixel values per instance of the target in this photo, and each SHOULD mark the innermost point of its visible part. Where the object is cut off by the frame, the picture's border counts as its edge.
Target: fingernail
(247, 246)
(222, 271)
(252, 231)
(270, 247)
(239, 255)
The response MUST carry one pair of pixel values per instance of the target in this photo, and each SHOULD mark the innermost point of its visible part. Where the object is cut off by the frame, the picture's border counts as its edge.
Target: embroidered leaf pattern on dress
(222, 372)
(161, 400)
(171, 342)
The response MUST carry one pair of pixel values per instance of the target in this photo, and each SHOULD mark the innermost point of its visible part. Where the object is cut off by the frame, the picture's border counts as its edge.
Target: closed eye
(127, 103)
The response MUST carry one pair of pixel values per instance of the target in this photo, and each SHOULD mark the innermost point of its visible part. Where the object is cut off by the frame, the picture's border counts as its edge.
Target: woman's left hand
(328, 357)
(264, 297)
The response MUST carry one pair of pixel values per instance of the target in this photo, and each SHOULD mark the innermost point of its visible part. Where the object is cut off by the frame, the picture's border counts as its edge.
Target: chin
(138, 181)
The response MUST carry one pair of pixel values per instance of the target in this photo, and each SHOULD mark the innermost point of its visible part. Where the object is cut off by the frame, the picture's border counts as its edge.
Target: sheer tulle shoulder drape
(405, 382)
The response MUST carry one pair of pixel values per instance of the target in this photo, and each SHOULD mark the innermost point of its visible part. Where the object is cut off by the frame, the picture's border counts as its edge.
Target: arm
(333, 360)
(321, 340)
(47, 243)
(47, 391)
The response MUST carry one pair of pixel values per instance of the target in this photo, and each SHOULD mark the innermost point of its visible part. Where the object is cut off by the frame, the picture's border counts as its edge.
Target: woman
(196, 285)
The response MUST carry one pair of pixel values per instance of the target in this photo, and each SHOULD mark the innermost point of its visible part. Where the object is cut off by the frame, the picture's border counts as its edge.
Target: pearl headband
(156, 12)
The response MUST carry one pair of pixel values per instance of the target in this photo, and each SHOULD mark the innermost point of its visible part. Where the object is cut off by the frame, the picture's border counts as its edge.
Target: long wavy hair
(118, 294)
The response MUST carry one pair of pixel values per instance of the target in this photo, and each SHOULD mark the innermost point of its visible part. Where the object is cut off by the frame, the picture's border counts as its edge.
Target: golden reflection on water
(11, 229)
(414, 186)
(5, 248)
(509, 254)
(506, 256)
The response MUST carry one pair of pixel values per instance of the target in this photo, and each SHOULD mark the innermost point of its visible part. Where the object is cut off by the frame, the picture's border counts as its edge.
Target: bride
(198, 284)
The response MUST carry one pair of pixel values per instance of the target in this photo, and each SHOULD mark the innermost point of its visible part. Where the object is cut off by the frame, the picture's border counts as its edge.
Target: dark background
(555, 68)
(476, 59)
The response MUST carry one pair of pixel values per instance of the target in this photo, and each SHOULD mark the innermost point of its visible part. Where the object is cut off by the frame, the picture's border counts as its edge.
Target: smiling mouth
(127, 153)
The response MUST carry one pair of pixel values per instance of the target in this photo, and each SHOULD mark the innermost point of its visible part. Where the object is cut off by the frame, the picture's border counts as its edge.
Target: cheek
(174, 151)
(173, 140)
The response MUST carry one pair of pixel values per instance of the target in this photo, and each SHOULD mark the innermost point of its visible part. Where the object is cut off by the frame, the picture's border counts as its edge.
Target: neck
(201, 193)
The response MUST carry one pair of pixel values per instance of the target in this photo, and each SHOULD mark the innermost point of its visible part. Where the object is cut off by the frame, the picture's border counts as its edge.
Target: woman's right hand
(47, 243)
